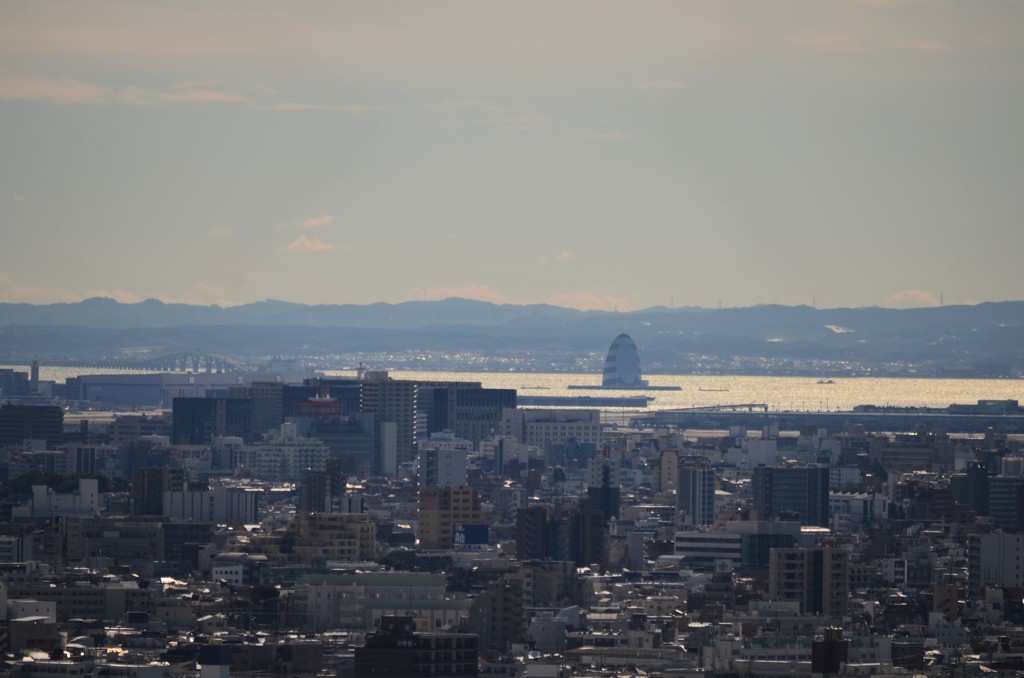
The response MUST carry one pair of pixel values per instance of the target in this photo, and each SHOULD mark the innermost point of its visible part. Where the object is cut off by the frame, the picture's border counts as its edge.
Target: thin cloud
(922, 46)
(607, 137)
(205, 294)
(466, 103)
(30, 294)
(825, 42)
(911, 299)
(566, 256)
(318, 222)
(204, 95)
(261, 90)
(591, 300)
(69, 91)
(294, 106)
(41, 89)
(220, 231)
(525, 123)
(17, 197)
(661, 85)
(489, 114)
(4, 277)
(306, 244)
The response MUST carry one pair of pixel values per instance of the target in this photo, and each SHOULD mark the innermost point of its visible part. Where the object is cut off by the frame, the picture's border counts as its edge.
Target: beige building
(548, 427)
(333, 537)
(441, 509)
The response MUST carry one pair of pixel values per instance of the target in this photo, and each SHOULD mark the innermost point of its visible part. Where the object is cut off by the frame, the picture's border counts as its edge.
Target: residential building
(818, 578)
(441, 509)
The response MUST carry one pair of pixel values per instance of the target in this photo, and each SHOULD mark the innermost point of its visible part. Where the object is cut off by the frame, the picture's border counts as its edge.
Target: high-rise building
(533, 536)
(13, 384)
(497, 616)
(819, 578)
(477, 411)
(442, 467)
(19, 423)
(149, 485)
(441, 509)
(792, 493)
(391, 401)
(603, 487)
(587, 537)
(267, 403)
(995, 560)
(695, 491)
(200, 421)
(622, 365)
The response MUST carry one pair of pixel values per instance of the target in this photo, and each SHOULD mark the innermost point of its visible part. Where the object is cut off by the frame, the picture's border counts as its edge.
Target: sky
(611, 155)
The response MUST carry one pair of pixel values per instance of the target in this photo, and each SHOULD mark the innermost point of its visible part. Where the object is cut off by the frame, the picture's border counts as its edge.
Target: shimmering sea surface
(778, 393)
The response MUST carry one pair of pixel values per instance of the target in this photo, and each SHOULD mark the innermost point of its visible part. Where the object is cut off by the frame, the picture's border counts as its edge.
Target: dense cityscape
(222, 523)
(532, 339)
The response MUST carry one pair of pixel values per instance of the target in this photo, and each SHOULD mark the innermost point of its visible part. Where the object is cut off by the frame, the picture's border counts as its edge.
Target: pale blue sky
(589, 154)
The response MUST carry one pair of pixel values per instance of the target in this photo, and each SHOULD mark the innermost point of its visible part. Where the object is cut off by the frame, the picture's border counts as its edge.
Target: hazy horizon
(839, 154)
(500, 303)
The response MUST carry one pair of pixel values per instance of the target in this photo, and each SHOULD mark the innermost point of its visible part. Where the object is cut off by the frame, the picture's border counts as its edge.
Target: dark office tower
(587, 536)
(435, 403)
(1004, 494)
(194, 421)
(346, 392)
(496, 615)
(603, 489)
(533, 539)
(315, 492)
(19, 423)
(149, 485)
(236, 419)
(977, 487)
(818, 578)
(13, 384)
(829, 653)
(267, 398)
(394, 402)
(351, 440)
(34, 378)
(796, 493)
(695, 492)
(398, 651)
(478, 411)
(200, 421)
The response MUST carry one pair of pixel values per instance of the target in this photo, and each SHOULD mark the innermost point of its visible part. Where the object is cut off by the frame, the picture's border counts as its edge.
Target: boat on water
(713, 390)
(825, 381)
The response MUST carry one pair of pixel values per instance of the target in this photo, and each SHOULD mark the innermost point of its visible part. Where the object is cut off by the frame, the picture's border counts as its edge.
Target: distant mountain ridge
(980, 340)
(104, 312)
